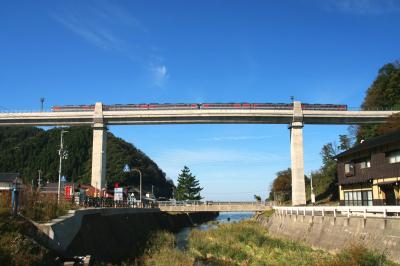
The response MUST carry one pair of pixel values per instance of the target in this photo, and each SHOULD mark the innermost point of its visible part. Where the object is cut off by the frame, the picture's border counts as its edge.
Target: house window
(365, 164)
(348, 169)
(394, 156)
(358, 198)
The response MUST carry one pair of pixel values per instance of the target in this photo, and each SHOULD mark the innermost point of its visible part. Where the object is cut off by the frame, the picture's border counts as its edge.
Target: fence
(365, 211)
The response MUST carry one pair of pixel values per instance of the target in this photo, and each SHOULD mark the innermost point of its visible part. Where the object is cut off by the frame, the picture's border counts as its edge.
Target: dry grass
(43, 207)
(358, 255)
(248, 243)
(15, 247)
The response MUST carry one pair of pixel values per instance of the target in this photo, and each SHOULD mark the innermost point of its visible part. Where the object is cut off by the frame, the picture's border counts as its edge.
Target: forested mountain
(28, 149)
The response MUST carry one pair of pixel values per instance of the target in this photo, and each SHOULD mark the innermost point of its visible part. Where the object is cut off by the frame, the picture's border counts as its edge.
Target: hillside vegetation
(383, 94)
(28, 149)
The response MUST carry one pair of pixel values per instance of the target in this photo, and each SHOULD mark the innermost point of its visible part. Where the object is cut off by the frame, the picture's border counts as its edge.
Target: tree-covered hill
(384, 93)
(28, 149)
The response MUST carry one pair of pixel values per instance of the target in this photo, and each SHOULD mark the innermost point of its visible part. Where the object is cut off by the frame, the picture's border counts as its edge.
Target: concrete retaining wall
(334, 234)
(112, 234)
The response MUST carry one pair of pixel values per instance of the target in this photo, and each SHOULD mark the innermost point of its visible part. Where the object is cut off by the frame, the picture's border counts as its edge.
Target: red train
(189, 106)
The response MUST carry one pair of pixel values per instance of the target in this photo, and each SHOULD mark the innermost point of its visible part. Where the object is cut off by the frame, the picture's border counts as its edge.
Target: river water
(223, 217)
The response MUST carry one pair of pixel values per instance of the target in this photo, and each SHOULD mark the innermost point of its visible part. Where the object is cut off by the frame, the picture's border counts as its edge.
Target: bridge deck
(220, 116)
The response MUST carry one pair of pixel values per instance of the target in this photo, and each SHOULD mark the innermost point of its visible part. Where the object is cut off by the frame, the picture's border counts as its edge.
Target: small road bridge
(214, 206)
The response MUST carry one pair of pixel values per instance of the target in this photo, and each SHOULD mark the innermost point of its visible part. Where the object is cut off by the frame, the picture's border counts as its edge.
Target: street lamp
(127, 169)
(63, 155)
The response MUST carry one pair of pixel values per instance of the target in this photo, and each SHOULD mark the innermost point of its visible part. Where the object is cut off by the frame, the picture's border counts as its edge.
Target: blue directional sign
(63, 179)
(127, 169)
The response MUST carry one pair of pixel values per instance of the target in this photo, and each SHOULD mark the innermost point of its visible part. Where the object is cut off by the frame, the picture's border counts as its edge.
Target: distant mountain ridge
(29, 149)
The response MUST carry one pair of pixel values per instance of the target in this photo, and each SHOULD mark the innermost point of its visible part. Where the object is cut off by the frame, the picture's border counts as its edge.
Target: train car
(271, 106)
(221, 105)
(191, 106)
(126, 107)
(173, 106)
(72, 108)
(324, 107)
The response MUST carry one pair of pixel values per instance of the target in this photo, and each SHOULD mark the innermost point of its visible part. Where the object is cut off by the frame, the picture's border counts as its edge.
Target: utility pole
(42, 104)
(312, 191)
(40, 179)
(152, 190)
(140, 176)
(63, 155)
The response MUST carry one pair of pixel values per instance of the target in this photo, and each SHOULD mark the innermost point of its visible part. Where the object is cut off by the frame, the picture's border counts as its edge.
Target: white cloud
(103, 24)
(160, 75)
(91, 32)
(111, 27)
(363, 7)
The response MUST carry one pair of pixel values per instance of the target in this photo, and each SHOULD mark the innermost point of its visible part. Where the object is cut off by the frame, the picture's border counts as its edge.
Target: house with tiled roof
(369, 173)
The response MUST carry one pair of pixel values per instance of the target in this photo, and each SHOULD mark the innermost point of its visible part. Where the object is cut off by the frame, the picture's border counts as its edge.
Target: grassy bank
(15, 247)
(247, 243)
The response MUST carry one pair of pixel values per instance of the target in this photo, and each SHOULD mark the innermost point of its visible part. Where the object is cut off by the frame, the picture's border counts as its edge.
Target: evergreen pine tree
(188, 187)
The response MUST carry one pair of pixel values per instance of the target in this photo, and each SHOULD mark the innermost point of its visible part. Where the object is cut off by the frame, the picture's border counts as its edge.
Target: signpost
(118, 194)
(68, 192)
(126, 169)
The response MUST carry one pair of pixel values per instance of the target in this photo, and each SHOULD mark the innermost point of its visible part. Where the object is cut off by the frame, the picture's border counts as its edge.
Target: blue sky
(80, 52)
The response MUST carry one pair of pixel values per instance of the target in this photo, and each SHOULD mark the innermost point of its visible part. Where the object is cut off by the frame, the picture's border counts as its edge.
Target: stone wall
(334, 234)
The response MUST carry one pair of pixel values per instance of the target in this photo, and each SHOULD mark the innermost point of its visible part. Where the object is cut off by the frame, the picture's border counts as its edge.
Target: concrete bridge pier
(297, 156)
(99, 149)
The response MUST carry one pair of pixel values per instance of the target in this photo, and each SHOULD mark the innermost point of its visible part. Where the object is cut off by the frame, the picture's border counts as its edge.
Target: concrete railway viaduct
(295, 118)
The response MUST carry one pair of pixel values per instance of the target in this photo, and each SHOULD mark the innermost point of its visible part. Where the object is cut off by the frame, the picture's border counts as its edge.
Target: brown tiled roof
(353, 180)
(9, 177)
(371, 143)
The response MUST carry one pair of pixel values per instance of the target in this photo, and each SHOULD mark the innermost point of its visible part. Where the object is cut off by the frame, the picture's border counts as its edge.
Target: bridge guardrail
(365, 211)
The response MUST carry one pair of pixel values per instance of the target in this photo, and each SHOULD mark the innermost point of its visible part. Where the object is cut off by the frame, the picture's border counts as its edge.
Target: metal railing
(364, 211)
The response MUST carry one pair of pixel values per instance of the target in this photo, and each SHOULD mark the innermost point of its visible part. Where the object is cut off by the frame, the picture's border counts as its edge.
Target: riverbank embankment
(111, 234)
(337, 233)
(249, 243)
